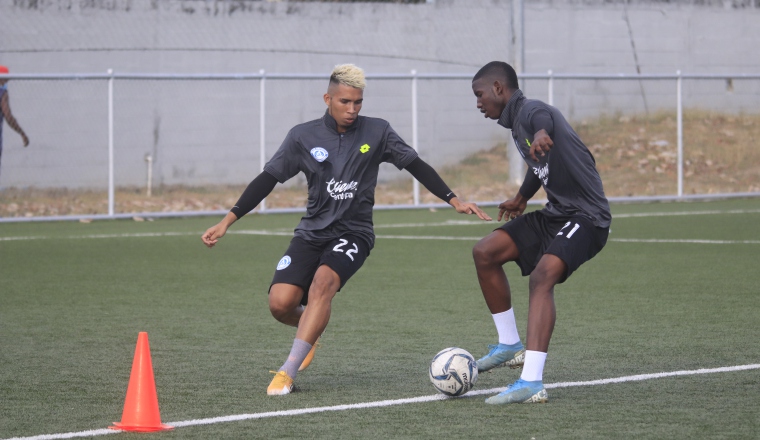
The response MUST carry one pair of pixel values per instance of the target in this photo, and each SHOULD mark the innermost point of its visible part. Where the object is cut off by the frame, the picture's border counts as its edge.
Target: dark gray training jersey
(341, 170)
(567, 172)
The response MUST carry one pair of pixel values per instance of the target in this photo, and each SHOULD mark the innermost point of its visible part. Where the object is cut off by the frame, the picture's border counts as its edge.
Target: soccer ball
(453, 371)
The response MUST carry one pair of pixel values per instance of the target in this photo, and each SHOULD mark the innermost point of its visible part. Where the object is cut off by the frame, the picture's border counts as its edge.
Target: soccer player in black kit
(340, 154)
(549, 244)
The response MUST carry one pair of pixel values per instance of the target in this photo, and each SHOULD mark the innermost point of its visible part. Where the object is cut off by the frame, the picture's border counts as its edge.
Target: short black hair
(499, 70)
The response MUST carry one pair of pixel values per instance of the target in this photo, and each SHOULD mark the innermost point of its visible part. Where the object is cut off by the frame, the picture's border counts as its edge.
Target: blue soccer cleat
(502, 355)
(521, 391)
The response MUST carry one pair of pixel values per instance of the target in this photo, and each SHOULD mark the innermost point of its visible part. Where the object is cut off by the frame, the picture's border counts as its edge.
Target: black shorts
(574, 240)
(344, 255)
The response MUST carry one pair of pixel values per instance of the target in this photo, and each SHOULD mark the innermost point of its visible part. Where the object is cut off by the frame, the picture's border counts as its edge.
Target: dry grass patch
(635, 155)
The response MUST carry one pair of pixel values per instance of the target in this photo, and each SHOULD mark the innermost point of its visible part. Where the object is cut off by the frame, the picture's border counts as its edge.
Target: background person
(5, 112)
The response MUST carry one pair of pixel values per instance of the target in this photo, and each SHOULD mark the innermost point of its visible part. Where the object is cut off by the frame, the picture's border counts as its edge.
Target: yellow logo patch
(364, 148)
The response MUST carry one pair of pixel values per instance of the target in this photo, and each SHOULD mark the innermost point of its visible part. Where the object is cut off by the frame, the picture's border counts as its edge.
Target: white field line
(88, 236)
(289, 231)
(420, 225)
(621, 240)
(381, 236)
(37, 237)
(677, 213)
(614, 216)
(141, 234)
(428, 237)
(384, 403)
(697, 241)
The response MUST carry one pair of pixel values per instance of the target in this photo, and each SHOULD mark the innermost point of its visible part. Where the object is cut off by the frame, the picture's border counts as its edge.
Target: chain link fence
(140, 145)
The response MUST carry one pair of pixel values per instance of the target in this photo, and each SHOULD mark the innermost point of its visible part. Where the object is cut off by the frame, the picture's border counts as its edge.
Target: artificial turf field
(675, 289)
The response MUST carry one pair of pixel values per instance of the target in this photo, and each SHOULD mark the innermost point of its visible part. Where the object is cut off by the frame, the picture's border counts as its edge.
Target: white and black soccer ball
(453, 371)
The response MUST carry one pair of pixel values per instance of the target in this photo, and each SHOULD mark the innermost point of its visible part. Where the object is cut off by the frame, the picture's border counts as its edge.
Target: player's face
(489, 99)
(343, 104)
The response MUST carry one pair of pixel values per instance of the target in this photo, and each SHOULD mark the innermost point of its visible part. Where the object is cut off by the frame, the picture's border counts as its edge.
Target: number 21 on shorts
(572, 231)
(339, 248)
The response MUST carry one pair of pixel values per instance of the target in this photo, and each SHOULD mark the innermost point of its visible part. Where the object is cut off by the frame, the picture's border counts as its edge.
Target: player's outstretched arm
(214, 233)
(256, 191)
(427, 176)
(469, 208)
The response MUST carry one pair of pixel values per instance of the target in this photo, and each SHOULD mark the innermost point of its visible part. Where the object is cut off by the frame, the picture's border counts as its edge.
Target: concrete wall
(648, 38)
(207, 131)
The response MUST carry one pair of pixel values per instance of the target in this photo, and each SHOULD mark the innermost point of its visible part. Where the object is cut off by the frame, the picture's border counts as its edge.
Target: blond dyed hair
(349, 75)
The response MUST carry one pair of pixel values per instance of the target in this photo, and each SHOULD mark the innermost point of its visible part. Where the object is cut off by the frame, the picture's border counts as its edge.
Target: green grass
(71, 307)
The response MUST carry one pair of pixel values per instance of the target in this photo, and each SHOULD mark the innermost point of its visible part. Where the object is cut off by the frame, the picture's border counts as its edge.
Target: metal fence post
(679, 124)
(262, 130)
(415, 145)
(110, 145)
(551, 88)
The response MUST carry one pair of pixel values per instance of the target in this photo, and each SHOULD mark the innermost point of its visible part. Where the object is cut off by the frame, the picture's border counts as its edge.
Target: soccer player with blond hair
(340, 154)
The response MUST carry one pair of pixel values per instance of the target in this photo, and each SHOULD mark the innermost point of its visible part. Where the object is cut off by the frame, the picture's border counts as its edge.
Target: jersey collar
(332, 124)
(509, 114)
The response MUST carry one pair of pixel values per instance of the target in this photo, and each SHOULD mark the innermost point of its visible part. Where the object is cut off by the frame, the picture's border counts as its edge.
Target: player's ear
(498, 87)
(327, 99)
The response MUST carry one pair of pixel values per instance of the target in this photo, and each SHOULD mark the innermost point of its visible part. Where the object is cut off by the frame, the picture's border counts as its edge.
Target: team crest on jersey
(284, 262)
(364, 148)
(319, 153)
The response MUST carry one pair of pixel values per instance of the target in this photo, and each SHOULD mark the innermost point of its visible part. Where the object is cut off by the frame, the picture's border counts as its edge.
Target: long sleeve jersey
(567, 172)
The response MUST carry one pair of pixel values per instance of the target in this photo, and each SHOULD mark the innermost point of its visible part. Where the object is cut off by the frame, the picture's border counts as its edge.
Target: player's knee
(279, 311)
(538, 281)
(545, 276)
(482, 253)
(319, 294)
(280, 308)
(323, 287)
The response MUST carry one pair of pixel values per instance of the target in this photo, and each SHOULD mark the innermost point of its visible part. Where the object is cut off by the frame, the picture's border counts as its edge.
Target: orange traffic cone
(141, 405)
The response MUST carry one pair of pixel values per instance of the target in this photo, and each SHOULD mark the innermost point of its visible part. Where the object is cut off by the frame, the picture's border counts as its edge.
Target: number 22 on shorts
(338, 248)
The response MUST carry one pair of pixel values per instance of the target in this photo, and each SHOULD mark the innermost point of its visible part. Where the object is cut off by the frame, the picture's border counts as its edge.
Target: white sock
(506, 327)
(533, 369)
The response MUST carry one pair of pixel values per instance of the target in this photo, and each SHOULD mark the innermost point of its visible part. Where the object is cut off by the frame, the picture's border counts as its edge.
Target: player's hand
(542, 143)
(512, 208)
(469, 208)
(213, 234)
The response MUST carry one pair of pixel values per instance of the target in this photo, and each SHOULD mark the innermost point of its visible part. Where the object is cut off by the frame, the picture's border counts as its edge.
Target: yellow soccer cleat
(307, 361)
(281, 385)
